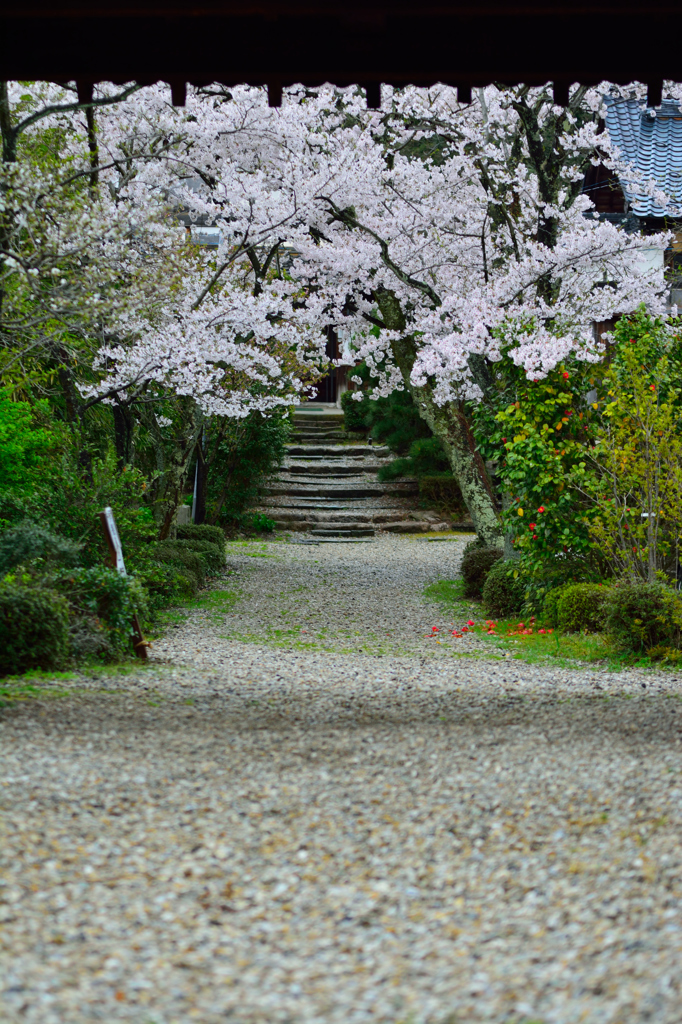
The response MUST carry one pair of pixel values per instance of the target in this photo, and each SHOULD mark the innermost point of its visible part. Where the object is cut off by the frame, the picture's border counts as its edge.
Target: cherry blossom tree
(446, 238)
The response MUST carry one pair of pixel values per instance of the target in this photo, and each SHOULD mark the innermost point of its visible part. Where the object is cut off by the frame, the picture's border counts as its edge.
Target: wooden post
(113, 540)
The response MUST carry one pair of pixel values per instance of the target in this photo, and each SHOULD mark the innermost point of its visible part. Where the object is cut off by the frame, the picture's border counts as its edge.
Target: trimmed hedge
(211, 555)
(477, 562)
(34, 629)
(28, 541)
(550, 609)
(202, 531)
(503, 592)
(580, 608)
(187, 560)
(100, 594)
(642, 616)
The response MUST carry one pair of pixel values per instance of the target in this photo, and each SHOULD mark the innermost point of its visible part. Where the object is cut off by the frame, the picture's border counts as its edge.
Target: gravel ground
(249, 830)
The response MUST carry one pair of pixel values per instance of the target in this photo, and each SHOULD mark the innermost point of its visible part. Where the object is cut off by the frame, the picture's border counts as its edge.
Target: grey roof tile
(652, 143)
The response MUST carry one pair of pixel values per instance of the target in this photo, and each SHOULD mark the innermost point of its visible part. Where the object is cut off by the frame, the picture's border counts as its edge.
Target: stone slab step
(338, 451)
(323, 469)
(339, 531)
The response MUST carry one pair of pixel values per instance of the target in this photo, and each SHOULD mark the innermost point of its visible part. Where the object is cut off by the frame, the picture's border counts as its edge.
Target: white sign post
(113, 540)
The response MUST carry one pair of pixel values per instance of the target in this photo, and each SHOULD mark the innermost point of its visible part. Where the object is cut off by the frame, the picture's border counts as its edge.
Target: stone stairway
(328, 485)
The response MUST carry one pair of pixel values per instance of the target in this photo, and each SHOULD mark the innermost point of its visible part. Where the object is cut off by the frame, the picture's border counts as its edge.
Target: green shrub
(202, 531)
(671, 655)
(165, 582)
(188, 561)
(580, 608)
(477, 562)
(262, 523)
(641, 616)
(103, 594)
(34, 629)
(354, 411)
(442, 491)
(426, 457)
(27, 541)
(550, 610)
(503, 591)
(550, 575)
(212, 555)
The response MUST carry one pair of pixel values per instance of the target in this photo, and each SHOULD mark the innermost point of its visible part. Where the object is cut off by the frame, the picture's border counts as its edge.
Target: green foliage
(29, 542)
(641, 616)
(69, 500)
(25, 443)
(100, 593)
(504, 589)
(354, 411)
(550, 605)
(212, 555)
(477, 562)
(164, 582)
(262, 523)
(547, 576)
(202, 531)
(637, 484)
(187, 561)
(580, 608)
(443, 492)
(426, 457)
(395, 420)
(34, 628)
(250, 450)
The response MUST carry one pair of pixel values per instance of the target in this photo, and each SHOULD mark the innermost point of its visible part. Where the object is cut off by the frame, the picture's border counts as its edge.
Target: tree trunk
(450, 426)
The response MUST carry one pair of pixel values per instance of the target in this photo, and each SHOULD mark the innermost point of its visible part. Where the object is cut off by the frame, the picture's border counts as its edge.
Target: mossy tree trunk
(450, 425)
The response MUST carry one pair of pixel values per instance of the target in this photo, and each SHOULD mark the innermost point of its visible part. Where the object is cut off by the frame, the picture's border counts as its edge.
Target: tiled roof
(653, 145)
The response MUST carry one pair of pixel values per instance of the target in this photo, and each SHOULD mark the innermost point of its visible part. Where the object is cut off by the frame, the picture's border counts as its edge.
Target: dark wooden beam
(343, 41)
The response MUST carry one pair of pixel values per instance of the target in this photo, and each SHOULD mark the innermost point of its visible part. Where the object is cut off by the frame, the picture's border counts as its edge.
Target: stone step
(330, 472)
(351, 530)
(338, 491)
(338, 451)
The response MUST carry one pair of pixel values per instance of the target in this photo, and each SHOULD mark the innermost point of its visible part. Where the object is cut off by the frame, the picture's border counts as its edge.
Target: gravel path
(257, 832)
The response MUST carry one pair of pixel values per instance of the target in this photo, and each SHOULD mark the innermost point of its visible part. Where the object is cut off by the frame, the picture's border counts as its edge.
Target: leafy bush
(354, 411)
(103, 594)
(212, 555)
(550, 576)
(393, 420)
(34, 628)
(477, 562)
(642, 616)
(550, 606)
(250, 450)
(165, 582)
(426, 457)
(580, 608)
(188, 561)
(262, 523)
(25, 444)
(202, 531)
(28, 541)
(504, 589)
(443, 492)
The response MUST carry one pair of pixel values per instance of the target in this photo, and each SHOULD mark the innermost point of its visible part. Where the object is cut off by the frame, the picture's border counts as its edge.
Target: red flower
(504, 440)
(471, 622)
(565, 374)
(541, 509)
(531, 526)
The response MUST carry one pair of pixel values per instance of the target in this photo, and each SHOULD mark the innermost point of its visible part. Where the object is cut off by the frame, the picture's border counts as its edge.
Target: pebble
(369, 828)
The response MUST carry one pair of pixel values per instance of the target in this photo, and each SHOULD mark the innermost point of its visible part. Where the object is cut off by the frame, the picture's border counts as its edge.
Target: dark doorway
(326, 388)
